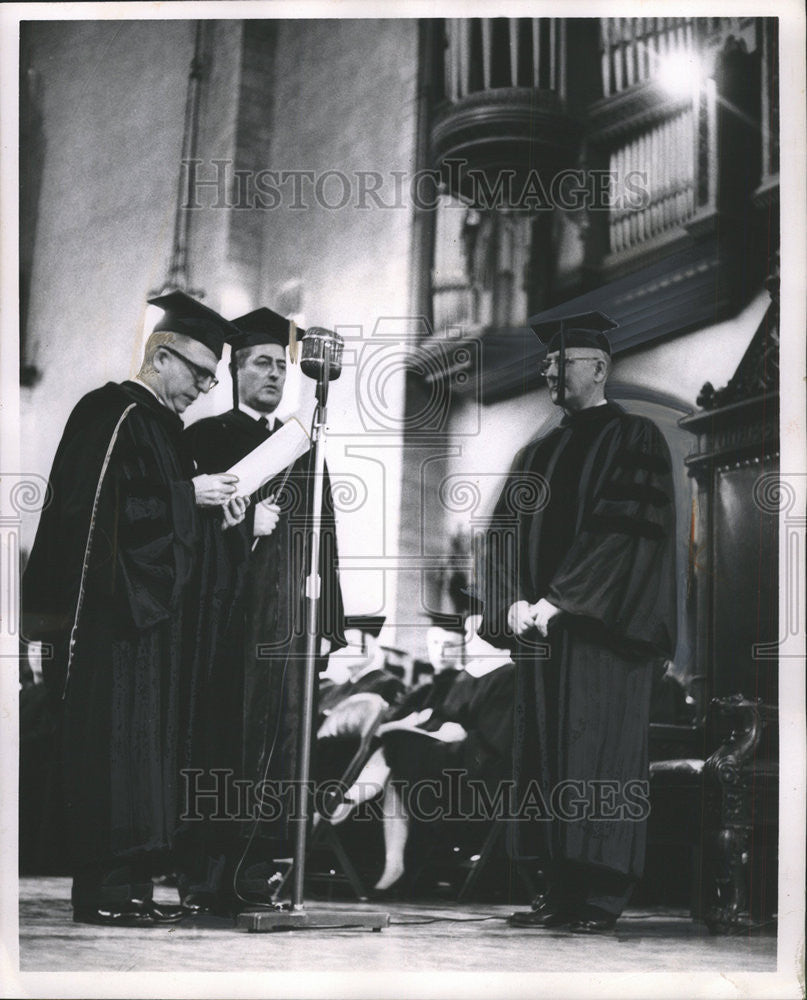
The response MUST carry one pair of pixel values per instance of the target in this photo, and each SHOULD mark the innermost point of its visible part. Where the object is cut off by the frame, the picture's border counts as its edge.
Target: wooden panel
(745, 582)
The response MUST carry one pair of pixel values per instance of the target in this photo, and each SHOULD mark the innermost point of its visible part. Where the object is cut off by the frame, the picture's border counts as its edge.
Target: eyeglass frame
(546, 364)
(195, 370)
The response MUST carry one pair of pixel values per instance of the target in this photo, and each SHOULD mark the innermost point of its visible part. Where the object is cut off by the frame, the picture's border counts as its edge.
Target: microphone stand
(298, 917)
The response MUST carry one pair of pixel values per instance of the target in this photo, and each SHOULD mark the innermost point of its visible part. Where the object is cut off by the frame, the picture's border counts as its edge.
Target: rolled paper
(285, 446)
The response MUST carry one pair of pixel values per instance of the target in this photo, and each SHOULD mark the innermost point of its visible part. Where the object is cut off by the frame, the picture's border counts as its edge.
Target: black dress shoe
(131, 913)
(199, 902)
(166, 913)
(106, 916)
(544, 916)
(128, 913)
(594, 925)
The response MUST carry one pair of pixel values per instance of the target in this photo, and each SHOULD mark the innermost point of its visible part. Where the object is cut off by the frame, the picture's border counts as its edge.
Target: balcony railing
(490, 53)
(770, 98)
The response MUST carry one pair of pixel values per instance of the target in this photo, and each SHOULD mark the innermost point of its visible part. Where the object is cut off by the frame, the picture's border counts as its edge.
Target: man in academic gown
(591, 578)
(107, 587)
(261, 683)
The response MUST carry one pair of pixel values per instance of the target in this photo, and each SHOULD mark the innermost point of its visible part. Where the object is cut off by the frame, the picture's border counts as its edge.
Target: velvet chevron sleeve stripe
(617, 572)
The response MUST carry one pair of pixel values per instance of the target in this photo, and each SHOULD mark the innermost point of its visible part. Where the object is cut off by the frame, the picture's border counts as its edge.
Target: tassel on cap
(293, 342)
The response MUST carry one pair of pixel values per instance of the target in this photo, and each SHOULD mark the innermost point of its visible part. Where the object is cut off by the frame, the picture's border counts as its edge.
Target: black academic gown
(601, 550)
(262, 680)
(429, 695)
(107, 585)
(483, 706)
(379, 681)
(334, 753)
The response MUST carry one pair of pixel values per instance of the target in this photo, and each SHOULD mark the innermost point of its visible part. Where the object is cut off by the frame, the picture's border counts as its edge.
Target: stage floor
(421, 937)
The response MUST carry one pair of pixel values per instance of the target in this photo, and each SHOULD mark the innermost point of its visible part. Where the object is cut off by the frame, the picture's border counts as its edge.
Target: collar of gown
(256, 415)
(589, 415)
(485, 665)
(142, 393)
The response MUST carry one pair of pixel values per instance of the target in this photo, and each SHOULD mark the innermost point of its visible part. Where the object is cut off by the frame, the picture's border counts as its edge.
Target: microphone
(317, 343)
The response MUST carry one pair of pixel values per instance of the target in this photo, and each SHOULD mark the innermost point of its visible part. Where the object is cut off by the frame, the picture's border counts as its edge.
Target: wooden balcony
(503, 86)
(503, 134)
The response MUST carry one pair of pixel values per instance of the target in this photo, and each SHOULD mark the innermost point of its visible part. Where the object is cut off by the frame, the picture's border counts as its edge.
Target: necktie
(263, 423)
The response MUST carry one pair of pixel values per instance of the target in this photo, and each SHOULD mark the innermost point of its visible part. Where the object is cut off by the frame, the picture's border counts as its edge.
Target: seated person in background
(397, 671)
(471, 731)
(445, 645)
(338, 738)
(363, 658)
(396, 661)
(422, 674)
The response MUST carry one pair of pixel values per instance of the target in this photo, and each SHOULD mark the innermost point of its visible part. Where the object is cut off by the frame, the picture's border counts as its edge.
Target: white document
(285, 446)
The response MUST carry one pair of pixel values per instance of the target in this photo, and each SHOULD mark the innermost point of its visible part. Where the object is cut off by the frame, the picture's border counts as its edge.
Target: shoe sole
(548, 925)
(123, 922)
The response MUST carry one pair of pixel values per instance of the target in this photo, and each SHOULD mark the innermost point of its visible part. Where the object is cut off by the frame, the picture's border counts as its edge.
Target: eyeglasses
(545, 366)
(203, 379)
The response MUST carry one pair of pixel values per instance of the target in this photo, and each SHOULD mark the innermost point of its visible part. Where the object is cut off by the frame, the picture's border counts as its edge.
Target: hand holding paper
(285, 446)
(214, 490)
(234, 512)
(267, 514)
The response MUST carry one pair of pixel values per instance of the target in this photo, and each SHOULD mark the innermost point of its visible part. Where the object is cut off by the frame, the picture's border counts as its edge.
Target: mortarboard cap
(185, 315)
(582, 330)
(262, 326)
(368, 624)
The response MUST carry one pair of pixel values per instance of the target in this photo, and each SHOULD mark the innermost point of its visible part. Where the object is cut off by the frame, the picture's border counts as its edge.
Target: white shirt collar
(484, 664)
(147, 386)
(257, 415)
